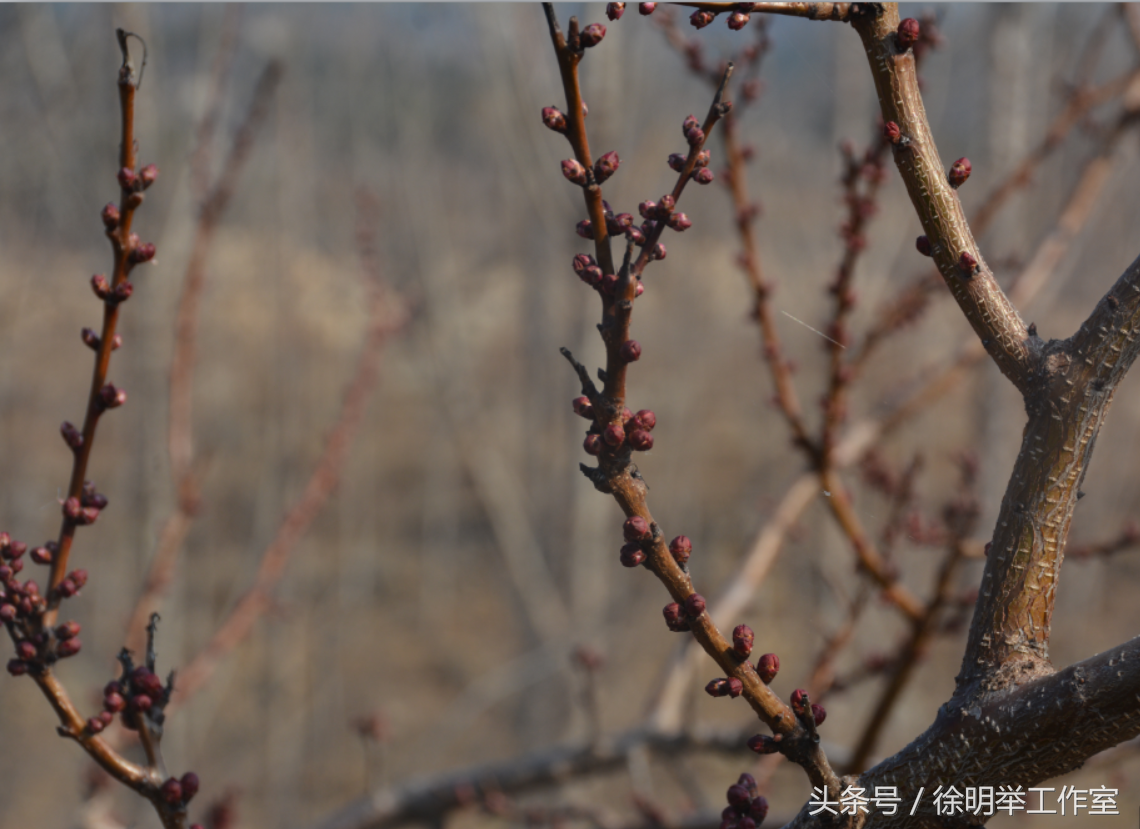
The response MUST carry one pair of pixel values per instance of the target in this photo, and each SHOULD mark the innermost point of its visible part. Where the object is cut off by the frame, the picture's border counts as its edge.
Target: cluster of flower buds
(590, 272)
(134, 182)
(137, 693)
(592, 35)
(614, 11)
(93, 340)
(179, 791)
(633, 430)
(678, 616)
(746, 808)
(83, 510)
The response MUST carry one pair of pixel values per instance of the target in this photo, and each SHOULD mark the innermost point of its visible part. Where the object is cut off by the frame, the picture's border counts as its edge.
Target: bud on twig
(148, 175)
(635, 528)
(110, 216)
(646, 9)
(606, 166)
(738, 20)
(694, 605)
(630, 351)
(592, 35)
(111, 397)
(700, 18)
(71, 435)
(768, 667)
(614, 11)
(681, 548)
(818, 713)
(585, 229)
(574, 172)
(674, 618)
(703, 176)
(763, 744)
(593, 445)
(908, 33)
(959, 172)
(968, 264)
(553, 118)
(640, 440)
(922, 243)
(742, 639)
(632, 555)
(127, 178)
(892, 132)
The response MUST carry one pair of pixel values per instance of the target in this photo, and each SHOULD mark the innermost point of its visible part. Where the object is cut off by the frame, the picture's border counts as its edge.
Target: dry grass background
(400, 598)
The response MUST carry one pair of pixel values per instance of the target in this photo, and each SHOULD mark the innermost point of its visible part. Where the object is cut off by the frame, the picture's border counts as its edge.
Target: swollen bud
(614, 11)
(190, 784)
(694, 605)
(630, 351)
(574, 172)
(892, 132)
(959, 172)
(585, 229)
(646, 9)
(968, 264)
(553, 118)
(679, 222)
(593, 445)
(800, 701)
(582, 407)
(127, 178)
(635, 528)
(703, 176)
(68, 647)
(142, 253)
(768, 667)
(71, 435)
(742, 639)
(677, 163)
(148, 175)
(738, 20)
(681, 548)
(674, 618)
(171, 792)
(606, 166)
(818, 713)
(700, 19)
(640, 440)
(592, 35)
(717, 687)
(763, 744)
(614, 435)
(112, 397)
(110, 215)
(632, 555)
(908, 33)
(922, 244)
(100, 286)
(739, 797)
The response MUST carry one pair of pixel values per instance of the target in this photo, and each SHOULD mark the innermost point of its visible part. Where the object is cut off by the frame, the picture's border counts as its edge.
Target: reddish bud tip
(553, 118)
(674, 618)
(606, 166)
(41, 555)
(619, 224)
(71, 435)
(593, 445)
(171, 792)
(614, 11)
(677, 162)
(695, 136)
(647, 209)
(95, 725)
(139, 703)
(592, 35)
(800, 700)
(148, 175)
(585, 229)
(630, 351)
(679, 222)
(635, 528)
(700, 19)
(71, 509)
(17, 667)
(959, 172)
(703, 176)
(632, 554)
(7, 613)
(735, 687)
(922, 244)
(142, 253)
(67, 588)
(574, 172)
(759, 809)
(658, 252)
(694, 605)
(646, 9)
(645, 419)
(819, 713)
(666, 204)
(749, 782)
(78, 577)
(190, 784)
(127, 178)
(25, 650)
(703, 158)
(742, 639)
(892, 132)
(768, 667)
(968, 264)
(122, 291)
(110, 215)
(114, 703)
(763, 744)
(68, 647)
(908, 33)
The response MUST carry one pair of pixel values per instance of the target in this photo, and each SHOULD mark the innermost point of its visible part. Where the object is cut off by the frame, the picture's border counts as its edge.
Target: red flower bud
(695, 137)
(592, 35)
(190, 785)
(640, 440)
(636, 528)
(614, 11)
(606, 166)
(112, 397)
(25, 650)
(892, 132)
(632, 555)
(738, 20)
(703, 176)
(100, 286)
(922, 244)
(968, 263)
(114, 703)
(681, 548)
(763, 744)
(679, 222)
(71, 510)
(694, 605)
(658, 252)
(71, 435)
(646, 9)
(739, 798)
(593, 445)
(127, 178)
(78, 578)
(768, 667)
(677, 163)
(553, 118)
(41, 555)
(583, 261)
(68, 647)
(742, 639)
(908, 33)
(614, 435)
(171, 792)
(700, 19)
(145, 681)
(585, 229)
(819, 713)
(17, 667)
(800, 701)
(703, 158)
(735, 687)
(67, 588)
(95, 725)
(574, 172)
(717, 687)
(959, 172)
(110, 215)
(139, 703)
(759, 809)
(148, 175)
(142, 253)
(582, 407)
(630, 351)
(7, 613)
(674, 619)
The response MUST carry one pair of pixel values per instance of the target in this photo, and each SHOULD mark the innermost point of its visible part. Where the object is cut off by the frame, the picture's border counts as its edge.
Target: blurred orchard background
(445, 586)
